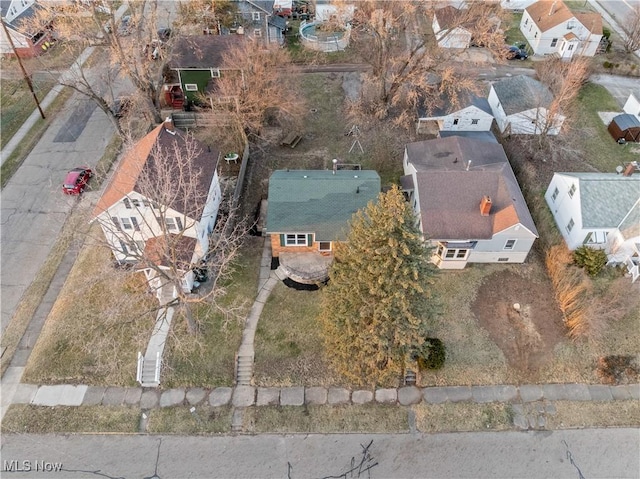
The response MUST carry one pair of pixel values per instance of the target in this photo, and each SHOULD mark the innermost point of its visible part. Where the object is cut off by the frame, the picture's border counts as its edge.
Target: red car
(76, 181)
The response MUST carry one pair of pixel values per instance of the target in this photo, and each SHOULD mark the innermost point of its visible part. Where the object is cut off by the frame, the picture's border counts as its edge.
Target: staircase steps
(149, 373)
(244, 370)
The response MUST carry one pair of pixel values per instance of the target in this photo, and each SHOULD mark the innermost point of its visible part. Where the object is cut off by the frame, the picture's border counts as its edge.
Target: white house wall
(497, 110)
(531, 122)
(465, 119)
(632, 105)
(493, 250)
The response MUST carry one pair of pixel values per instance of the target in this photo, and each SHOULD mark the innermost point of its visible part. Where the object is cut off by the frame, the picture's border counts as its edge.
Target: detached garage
(625, 127)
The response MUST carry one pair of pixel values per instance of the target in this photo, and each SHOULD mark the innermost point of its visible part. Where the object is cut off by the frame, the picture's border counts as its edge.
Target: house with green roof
(309, 211)
(600, 210)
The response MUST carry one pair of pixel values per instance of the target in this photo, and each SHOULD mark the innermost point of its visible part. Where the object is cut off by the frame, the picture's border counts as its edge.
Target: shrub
(592, 260)
(432, 355)
(607, 64)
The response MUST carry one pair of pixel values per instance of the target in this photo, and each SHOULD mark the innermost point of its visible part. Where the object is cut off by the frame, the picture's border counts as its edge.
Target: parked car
(121, 106)
(516, 53)
(76, 180)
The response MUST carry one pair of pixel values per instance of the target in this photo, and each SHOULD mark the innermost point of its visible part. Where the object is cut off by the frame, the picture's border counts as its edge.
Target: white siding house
(134, 221)
(474, 114)
(632, 105)
(448, 30)
(522, 105)
(467, 201)
(27, 43)
(551, 27)
(599, 210)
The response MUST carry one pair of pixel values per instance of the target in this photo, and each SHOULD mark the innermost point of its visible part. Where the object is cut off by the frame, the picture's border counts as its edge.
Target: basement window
(324, 246)
(191, 86)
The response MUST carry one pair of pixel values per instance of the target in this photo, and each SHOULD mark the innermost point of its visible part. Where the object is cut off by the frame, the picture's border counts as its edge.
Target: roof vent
(485, 206)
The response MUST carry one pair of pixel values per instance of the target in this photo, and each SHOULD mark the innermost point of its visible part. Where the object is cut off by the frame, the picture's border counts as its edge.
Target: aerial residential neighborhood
(238, 220)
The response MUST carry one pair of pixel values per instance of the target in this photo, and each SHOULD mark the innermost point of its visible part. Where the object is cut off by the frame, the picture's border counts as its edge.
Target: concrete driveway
(33, 208)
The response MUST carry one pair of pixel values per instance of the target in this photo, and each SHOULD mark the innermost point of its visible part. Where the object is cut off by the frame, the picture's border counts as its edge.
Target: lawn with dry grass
(580, 414)
(366, 418)
(101, 319)
(27, 419)
(184, 420)
(459, 417)
(207, 358)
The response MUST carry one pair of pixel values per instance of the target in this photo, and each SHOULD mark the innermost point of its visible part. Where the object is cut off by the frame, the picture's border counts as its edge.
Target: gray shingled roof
(626, 121)
(201, 51)
(521, 93)
(450, 194)
(318, 201)
(607, 200)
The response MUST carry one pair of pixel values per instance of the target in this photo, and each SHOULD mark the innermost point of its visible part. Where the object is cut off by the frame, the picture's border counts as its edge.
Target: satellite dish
(619, 169)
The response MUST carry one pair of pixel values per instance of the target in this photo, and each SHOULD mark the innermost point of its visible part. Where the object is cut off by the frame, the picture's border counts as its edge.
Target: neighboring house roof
(450, 190)
(609, 200)
(465, 99)
(278, 22)
(476, 135)
(17, 23)
(201, 51)
(522, 93)
(547, 14)
(448, 17)
(126, 177)
(318, 201)
(264, 5)
(626, 121)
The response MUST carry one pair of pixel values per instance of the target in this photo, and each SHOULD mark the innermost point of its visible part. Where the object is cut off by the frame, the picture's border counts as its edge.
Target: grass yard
(459, 417)
(102, 318)
(580, 414)
(366, 418)
(207, 359)
(288, 347)
(27, 419)
(180, 420)
(600, 149)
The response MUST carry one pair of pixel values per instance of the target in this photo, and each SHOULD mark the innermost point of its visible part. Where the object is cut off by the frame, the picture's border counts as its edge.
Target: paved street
(588, 453)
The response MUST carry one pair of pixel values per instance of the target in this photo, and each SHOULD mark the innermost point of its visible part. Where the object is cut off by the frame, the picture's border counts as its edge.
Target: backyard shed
(625, 126)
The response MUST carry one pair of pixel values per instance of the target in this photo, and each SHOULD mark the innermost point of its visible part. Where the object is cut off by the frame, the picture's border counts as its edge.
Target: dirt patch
(521, 316)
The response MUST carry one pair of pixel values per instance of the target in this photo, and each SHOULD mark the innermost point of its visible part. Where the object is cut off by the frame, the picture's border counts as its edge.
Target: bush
(592, 260)
(607, 64)
(432, 355)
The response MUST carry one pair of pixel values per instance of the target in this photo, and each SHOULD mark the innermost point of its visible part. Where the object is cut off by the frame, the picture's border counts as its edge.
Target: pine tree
(378, 305)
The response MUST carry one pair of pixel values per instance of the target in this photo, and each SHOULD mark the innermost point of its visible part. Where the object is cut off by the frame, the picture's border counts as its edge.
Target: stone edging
(245, 396)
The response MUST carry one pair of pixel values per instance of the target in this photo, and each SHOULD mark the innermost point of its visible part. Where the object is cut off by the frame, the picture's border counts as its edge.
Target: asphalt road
(33, 208)
(620, 10)
(585, 453)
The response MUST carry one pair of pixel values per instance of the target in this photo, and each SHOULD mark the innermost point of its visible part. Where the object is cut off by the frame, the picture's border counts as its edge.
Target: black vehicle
(516, 53)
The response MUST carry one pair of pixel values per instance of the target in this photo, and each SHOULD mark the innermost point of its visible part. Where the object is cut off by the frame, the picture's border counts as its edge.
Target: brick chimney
(628, 171)
(485, 206)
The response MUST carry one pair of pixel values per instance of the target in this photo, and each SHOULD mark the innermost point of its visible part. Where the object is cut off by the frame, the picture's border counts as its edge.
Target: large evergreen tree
(378, 305)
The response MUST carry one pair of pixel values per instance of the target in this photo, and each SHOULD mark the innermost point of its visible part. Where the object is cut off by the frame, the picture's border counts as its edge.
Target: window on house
(191, 86)
(572, 190)
(134, 221)
(510, 244)
(570, 46)
(257, 32)
(126, 223)
(500, 260)
(255, 16)
(136, 203)
(295, 239)
(324, 246)
(179, 224)
(570, 225)
(123, 247)
(440, 250)
(526, 22)
(170, 223)
(555, 194)
(554, 42)
(571, 25)
(455, 121)
(474, 122)
(116, 223)
(535, 35)
(215, 73)
(127, 203)
(145, 203)
(456, 253)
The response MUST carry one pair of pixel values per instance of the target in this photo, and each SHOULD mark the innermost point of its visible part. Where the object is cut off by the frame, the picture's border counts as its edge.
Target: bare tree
(126, 48)
(408, 65)
(166, 233)
(258, 85)
(209, 15)
(564, 79)
(632, 27)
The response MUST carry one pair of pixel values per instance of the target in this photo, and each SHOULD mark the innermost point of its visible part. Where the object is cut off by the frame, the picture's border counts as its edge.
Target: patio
(305, 268)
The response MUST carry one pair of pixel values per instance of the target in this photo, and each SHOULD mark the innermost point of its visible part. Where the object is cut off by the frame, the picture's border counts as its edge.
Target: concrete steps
(244, 370)
(148, 378)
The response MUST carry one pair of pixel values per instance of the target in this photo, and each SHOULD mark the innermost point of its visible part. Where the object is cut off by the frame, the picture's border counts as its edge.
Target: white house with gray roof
(599, 210)
(473, 114)
(468, 202)
(521, 106)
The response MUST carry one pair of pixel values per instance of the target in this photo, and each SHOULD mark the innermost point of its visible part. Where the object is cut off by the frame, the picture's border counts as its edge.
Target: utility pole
(24, 72)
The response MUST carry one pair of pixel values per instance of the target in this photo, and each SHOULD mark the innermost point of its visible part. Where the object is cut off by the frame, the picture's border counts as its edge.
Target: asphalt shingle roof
(318, 201)
(522, 93)
(609, 200)
(450, 193)
(626, 120)
(202, 51)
